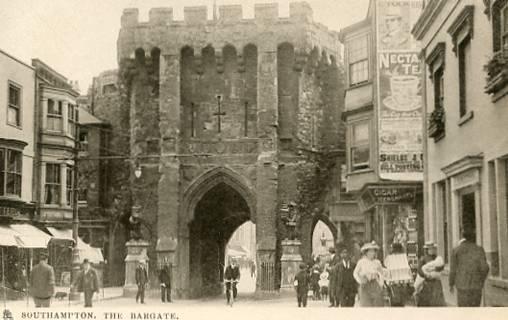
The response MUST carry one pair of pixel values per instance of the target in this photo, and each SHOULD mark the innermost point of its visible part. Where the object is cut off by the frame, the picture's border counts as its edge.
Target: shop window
(70, 185)
(55, 120)
(52, 185)
(360, 146)
(10, 172)
(358, 59)
(14, 106)
(72, 119)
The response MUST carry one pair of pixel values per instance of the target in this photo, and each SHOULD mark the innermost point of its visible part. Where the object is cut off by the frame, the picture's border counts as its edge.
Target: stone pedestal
(290, 262)
(136, 251)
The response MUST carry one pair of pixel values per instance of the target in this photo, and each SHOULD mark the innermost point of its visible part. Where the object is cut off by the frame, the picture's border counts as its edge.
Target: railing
(497, 72)
(267, 275)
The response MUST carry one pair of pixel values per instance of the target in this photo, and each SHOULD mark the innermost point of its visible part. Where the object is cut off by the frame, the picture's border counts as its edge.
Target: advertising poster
(399, 91)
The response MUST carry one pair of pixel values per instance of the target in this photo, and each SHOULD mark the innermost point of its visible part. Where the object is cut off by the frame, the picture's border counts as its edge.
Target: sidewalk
(104, 294)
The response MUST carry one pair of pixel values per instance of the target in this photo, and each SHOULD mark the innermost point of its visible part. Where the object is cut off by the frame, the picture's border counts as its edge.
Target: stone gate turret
(247, 110)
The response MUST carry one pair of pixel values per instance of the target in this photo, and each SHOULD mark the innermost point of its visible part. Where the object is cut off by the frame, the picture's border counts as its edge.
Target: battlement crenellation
(198, 15)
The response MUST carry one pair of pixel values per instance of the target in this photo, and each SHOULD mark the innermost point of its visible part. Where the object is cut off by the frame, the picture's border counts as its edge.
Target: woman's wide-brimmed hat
(368, 246)
(429, 244)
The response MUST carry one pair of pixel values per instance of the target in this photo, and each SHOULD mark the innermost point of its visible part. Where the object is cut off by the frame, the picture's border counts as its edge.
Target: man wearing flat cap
(87, 282)
(42, 282)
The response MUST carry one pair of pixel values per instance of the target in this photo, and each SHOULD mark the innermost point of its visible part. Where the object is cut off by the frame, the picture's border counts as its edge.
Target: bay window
(360, 146)
(54, 116)
(10, 172)
(52, 184)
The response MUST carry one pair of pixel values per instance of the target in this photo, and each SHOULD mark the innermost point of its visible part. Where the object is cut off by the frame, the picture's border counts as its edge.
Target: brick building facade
(230, 120)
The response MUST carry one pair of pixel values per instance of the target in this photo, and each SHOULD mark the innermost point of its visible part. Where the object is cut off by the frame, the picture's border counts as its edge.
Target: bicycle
(231, 286)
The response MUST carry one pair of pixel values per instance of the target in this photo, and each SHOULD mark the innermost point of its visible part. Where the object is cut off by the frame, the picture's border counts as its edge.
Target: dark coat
(334, 264)
(346, 283)
(87, 281)
(468, 267)
(303, 279)
(141, 276)
(42, 281)
(165, 276)
(232, 273)
(431, 294)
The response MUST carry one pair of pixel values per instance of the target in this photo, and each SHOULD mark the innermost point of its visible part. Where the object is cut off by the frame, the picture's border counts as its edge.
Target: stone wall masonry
(197, 32)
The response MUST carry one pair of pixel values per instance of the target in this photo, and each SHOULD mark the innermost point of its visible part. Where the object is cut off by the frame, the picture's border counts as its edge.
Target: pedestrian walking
(399, 275)
(368, 273)
(314, 280)
(324, 282)
(42, 282)
(347, 287)
(252, 269)
(468, 271)
(302, 285)
(141, 281)
(87, 282)
(165, 281)
(334, 261)
(431, 292)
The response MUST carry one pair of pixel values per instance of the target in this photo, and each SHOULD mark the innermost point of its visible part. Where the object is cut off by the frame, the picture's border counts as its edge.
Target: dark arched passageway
(219, 212)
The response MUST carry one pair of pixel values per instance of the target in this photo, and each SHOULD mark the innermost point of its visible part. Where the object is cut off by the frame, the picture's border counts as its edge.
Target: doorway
(468, 214)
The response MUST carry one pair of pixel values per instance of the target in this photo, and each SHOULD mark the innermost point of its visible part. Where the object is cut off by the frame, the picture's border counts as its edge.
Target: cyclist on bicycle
(231, 278)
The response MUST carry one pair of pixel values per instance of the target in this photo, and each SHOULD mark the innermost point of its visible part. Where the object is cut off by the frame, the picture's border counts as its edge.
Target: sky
(77, 38)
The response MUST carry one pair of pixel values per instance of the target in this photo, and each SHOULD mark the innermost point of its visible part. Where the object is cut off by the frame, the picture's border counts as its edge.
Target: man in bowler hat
(87, 282)
(42, 282)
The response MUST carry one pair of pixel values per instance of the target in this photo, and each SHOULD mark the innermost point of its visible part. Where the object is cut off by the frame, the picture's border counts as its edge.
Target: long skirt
(431, 294)
(371, 295)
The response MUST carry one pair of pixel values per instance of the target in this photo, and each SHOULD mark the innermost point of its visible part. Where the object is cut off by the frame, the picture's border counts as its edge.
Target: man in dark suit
(141, 281)
(231, 276)
(165, 280)
(468, 271)
(346, 283)
(42, 282)
(87, 282)
(302, 280)
(334, 263)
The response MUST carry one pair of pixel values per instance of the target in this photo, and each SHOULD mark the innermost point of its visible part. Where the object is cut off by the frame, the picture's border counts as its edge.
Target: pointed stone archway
(215, 205)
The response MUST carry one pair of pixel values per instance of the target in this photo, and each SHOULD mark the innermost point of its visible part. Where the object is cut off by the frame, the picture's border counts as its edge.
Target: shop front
(20, 242)
(393, 213)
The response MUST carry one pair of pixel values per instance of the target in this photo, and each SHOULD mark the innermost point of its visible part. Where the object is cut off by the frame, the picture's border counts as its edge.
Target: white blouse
(367, 270)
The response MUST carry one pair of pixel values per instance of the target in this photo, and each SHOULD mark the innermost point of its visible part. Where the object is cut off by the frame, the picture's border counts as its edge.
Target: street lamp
(138, 171)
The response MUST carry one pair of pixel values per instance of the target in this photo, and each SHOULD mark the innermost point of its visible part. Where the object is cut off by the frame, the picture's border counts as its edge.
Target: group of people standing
(368, 282)
(335, 282)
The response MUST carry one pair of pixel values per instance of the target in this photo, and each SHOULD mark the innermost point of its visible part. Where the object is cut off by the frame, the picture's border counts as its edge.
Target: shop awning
(30, 236)
(61, 234)
(8, 237)
(86, 251)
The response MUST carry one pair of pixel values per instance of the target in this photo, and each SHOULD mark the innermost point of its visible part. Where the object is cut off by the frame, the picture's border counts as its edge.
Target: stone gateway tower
(231, 119)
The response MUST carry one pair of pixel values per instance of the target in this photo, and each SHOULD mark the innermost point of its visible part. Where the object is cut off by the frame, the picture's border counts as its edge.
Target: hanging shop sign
(383, 195)
(399, 91)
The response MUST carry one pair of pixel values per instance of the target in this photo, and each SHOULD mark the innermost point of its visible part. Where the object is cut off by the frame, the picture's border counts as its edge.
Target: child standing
(302, 285)
(324, 282)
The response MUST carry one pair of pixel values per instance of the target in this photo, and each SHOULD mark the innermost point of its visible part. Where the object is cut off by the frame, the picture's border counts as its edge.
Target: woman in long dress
(431, 294)
(369, 275)
(399, 275)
